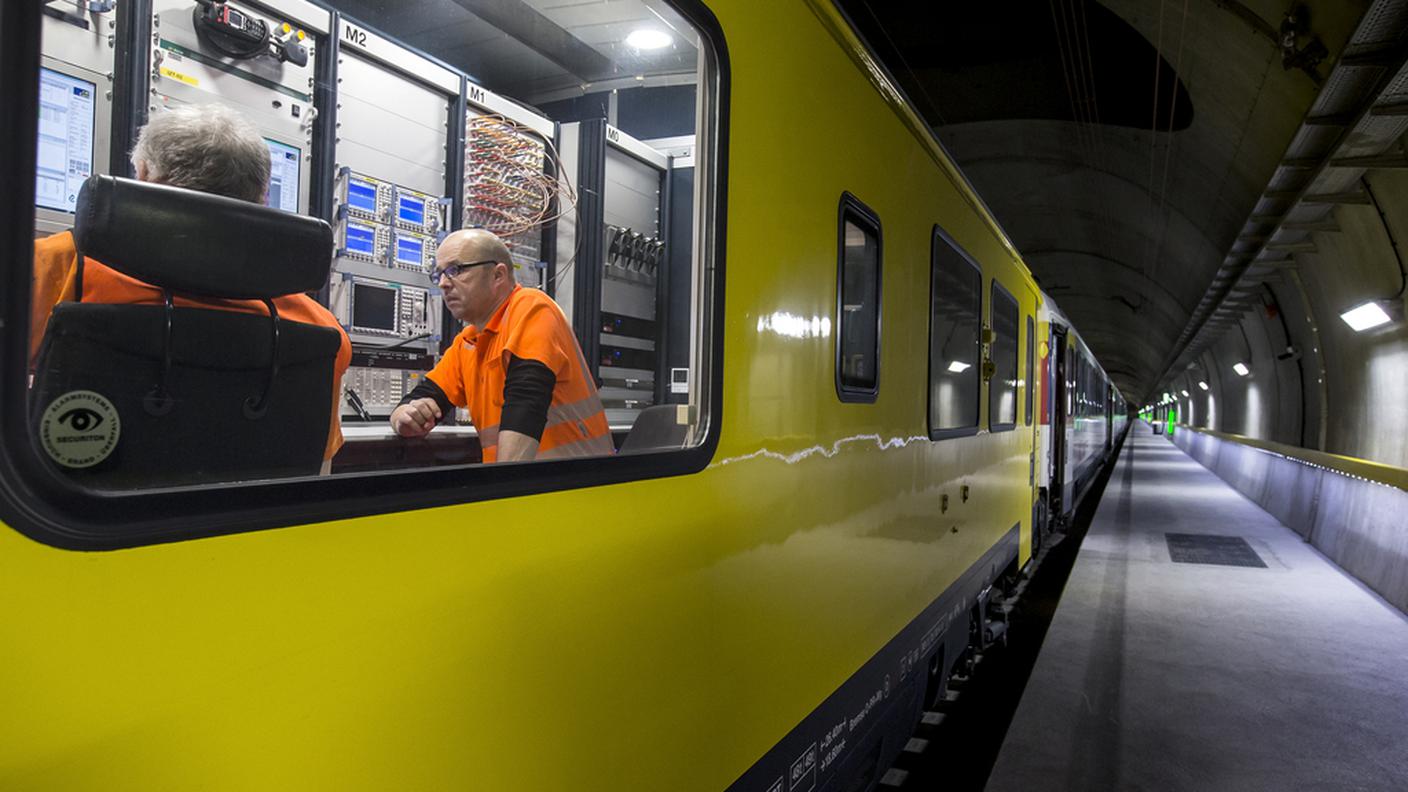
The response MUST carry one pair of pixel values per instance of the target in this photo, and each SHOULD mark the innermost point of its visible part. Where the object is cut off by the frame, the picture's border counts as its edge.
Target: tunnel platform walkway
(1165, 675)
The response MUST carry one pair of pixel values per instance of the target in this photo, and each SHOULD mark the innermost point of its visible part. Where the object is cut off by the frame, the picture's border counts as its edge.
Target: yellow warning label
(175, 75)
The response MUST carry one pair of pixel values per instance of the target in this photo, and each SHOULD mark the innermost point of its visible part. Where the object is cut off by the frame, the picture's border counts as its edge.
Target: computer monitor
(284, 162)
(361, 194)
(410, 209)
(66, 120)
(410, 251)
(374, 308)
(360, 239)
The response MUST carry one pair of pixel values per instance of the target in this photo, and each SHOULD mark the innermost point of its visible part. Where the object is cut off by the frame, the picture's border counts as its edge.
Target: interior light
(1363, 317)
(1241, 369)
(958, 368)
(648, 39)
(1203, 385)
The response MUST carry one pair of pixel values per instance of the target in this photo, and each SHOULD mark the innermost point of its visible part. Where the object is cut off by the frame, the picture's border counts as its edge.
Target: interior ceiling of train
(1122, 144)
(539, 51)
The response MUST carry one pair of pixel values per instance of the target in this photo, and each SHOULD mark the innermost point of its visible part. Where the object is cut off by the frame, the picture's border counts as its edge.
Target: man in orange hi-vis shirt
(516, 366)
(208, 148)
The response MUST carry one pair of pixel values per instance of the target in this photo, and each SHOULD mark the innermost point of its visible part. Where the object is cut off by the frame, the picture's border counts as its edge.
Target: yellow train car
(769, 608)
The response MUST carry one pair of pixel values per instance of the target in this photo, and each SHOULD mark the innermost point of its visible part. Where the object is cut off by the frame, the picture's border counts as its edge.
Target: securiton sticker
(79, 429)
(179, 77)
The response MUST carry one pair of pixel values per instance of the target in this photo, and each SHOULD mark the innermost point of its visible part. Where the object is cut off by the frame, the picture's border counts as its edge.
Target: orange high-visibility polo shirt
(529, 325)
(55, 268)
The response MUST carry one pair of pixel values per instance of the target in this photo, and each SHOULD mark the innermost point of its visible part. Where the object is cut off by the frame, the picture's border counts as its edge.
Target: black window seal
(852, 208)
(940, 235)
(42, 505)
(997, 286)
(1031, 366)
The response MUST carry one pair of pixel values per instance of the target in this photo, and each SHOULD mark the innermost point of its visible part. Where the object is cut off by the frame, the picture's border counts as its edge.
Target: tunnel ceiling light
(648, 39)
(1186, 393)
(1202, 385)
(1241, 369)
(1365, 316)
(958, 367)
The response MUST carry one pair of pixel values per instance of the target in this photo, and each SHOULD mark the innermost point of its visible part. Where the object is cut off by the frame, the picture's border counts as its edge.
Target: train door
(1109, 417)
(1059, 418)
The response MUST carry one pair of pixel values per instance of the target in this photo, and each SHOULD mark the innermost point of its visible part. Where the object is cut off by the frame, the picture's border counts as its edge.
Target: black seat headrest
(196, 243)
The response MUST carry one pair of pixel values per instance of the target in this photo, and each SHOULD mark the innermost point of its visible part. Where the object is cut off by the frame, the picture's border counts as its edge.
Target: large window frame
(995, 292)
(942, 237)
(853, 211)
(40, 503)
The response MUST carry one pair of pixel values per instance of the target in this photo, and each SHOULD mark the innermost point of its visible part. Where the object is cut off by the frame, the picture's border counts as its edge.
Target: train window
(955, 339)
(366, 153)
(1002, 388)
(1030, 384)
(858, 302)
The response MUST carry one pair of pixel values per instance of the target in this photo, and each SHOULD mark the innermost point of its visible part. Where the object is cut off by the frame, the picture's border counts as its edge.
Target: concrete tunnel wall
(1339, 391)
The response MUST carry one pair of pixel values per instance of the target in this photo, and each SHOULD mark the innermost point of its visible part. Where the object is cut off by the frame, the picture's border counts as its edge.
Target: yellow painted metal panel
(653, 635)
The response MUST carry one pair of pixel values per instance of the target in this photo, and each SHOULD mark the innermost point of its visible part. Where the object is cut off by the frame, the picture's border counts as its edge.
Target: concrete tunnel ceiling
(1121, 144)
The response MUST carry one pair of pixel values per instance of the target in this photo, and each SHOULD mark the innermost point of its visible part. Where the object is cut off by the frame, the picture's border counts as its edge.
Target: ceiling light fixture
(1202, 385)
(1241, 369)
(648, 39)
(958, 368)
(1365, 316)
(1185, 393)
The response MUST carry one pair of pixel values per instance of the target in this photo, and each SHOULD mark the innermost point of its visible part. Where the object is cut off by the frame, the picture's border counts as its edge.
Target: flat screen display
(66, 113)
(360, 239)
(409, 250)
(373, 307)
(361, 195)
(411, 210)
(284, 162)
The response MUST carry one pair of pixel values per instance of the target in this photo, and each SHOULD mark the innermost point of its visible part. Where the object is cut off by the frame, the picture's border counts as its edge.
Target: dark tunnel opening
(1024, 60)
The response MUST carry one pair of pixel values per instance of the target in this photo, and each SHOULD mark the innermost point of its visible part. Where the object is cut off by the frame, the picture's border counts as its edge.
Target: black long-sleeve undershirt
(528, 386)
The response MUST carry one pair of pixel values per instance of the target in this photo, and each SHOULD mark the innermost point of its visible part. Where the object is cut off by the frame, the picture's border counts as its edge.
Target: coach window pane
(859, 342)
(1002, 389)
(955, 304)
(1031, 366)
(611, 224)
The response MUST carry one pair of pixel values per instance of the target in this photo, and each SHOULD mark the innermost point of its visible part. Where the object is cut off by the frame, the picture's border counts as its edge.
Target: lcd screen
(373, 307)
(361, 195)
(361, 239)
(283, 176)
(65, 160)
(409, 250)
(411, 210)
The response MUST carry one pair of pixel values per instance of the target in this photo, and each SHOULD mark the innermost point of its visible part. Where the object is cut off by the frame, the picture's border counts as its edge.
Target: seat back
(203, 428)
(178, 395)
(659, 427)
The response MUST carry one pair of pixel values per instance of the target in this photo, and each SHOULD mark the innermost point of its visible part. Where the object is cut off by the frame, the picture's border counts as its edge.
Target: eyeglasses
(453, 270)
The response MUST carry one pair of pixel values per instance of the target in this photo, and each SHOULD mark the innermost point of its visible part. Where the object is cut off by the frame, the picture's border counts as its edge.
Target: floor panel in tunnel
(1158, 675)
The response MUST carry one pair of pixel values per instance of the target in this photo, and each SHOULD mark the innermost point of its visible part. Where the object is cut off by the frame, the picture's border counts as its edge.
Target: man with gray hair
(208, 148)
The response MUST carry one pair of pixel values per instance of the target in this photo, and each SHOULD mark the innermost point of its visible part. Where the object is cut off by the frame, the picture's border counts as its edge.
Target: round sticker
(79, 429)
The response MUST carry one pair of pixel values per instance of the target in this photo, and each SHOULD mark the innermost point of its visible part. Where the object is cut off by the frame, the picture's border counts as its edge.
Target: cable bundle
(507, 187)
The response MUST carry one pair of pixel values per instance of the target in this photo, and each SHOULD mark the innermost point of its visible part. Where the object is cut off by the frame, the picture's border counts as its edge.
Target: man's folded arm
(427, 389)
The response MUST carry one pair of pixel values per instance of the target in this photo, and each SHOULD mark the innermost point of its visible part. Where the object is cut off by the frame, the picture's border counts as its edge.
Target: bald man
(516, 365)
